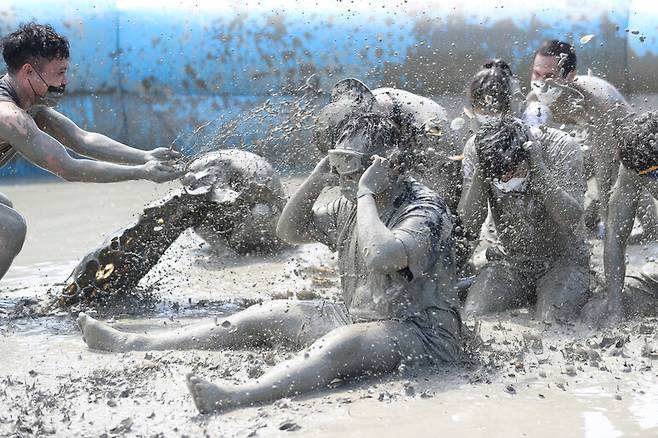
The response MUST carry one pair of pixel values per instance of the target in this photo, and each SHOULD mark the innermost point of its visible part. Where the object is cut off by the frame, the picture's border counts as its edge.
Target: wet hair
(499, 145)
(491, 87)
(561, 50)
(639, 142)
(32, 43)
(372, 133)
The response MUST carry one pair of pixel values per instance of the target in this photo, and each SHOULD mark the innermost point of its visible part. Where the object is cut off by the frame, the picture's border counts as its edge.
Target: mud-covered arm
(474, 202)
(381, 249)
(560, 189)
(95, 145)
(296, 221)
(621, 214)
(20, 130)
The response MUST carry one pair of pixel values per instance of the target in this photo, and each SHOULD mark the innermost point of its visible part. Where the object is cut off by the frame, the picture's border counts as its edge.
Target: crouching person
(635, 293)
(533, 182)
(396, 261)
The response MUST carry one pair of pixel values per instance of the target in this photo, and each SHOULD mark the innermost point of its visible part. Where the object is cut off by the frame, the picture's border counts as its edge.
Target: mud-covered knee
(15, 230)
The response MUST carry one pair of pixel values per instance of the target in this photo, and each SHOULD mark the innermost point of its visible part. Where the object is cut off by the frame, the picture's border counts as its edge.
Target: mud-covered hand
(323, 175)
(378, 177)
(162, 154)
(160, 172)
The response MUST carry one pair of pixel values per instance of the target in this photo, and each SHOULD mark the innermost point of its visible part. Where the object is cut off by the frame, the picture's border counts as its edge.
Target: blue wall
(149, 72)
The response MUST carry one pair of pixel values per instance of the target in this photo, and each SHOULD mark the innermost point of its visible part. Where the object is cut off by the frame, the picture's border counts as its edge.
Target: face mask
(546, 94)
(484, 118)
(52, 96)
(512, 185)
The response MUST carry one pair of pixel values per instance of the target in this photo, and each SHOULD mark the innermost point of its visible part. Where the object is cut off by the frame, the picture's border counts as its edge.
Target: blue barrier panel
(151, 72)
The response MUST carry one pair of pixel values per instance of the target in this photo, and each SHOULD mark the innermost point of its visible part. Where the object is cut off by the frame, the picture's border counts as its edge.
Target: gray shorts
(438, 331)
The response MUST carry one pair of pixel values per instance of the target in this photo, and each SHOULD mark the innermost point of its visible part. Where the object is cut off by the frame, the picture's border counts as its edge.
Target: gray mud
(520, 377)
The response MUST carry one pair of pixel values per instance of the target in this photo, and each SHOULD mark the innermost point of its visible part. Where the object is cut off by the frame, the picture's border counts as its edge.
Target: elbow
(380, 260)
(286, 231)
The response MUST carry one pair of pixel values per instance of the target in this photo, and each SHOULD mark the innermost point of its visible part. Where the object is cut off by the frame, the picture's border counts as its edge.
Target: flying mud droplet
(586, 38)
(226, 324)
(457, 124)
(589, 72)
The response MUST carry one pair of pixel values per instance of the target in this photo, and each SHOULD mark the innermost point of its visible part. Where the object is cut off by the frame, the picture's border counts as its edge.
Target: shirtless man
(425, 130)
(638, 173)
(533, 182)
(37, 61)
(396, 262)
(559, 95)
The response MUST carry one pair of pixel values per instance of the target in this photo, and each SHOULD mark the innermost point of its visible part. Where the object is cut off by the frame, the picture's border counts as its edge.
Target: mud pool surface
(521, 378)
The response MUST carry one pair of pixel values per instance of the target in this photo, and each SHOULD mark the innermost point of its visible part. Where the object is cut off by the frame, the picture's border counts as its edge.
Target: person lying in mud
(638, 293)
(231, 198)
(425, 130)
(396, 262)
(560, 96)
(532, 181)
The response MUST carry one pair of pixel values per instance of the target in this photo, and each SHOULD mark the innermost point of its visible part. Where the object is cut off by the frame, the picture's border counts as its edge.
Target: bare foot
(209, 397)
(100, 336)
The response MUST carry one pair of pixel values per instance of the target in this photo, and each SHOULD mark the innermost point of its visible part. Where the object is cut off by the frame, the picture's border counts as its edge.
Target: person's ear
(26, 69)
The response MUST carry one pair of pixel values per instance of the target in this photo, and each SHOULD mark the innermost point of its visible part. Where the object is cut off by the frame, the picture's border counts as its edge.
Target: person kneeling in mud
(532, 181)
(638, 174)
(396, 261)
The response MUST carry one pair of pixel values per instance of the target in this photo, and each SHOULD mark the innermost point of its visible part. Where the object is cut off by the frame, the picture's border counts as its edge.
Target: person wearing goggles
(532, 181)
(634, 292)
(396, 262)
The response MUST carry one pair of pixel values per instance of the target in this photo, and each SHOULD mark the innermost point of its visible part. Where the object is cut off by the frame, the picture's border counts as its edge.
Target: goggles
(345, 162)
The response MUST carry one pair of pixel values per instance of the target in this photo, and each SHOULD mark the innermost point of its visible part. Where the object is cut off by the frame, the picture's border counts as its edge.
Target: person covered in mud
(532, 181)
(231, 198)
(37, 60)
(560, 96)
(635, 294)
(396, 262)
(491, 93)
(425, 130)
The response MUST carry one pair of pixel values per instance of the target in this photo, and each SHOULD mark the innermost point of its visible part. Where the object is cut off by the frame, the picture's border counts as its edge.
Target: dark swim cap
(499, 145)
(639, 143)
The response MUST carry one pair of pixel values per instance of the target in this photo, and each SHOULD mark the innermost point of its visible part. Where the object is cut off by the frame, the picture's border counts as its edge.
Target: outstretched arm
(294, 224)
(20, 130)
(94, 145)
(621, 214)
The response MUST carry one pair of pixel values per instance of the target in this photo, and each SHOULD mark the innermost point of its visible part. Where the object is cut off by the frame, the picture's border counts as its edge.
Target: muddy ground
(521, 377)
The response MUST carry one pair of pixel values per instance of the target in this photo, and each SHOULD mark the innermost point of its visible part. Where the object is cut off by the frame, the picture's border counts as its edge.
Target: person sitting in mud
(638, 173)
(561, 97)
(426, 136)
(231, 198)
(37, 61)
(396, 262)
(532, 181)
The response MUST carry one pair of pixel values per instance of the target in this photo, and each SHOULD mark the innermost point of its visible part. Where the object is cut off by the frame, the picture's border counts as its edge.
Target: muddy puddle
(521, 378)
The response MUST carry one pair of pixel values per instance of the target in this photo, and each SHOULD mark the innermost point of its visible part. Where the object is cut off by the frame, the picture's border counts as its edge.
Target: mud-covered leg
(354, 350)
(12, 234)
(497, 288)
(273, 322)
(562, 292)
